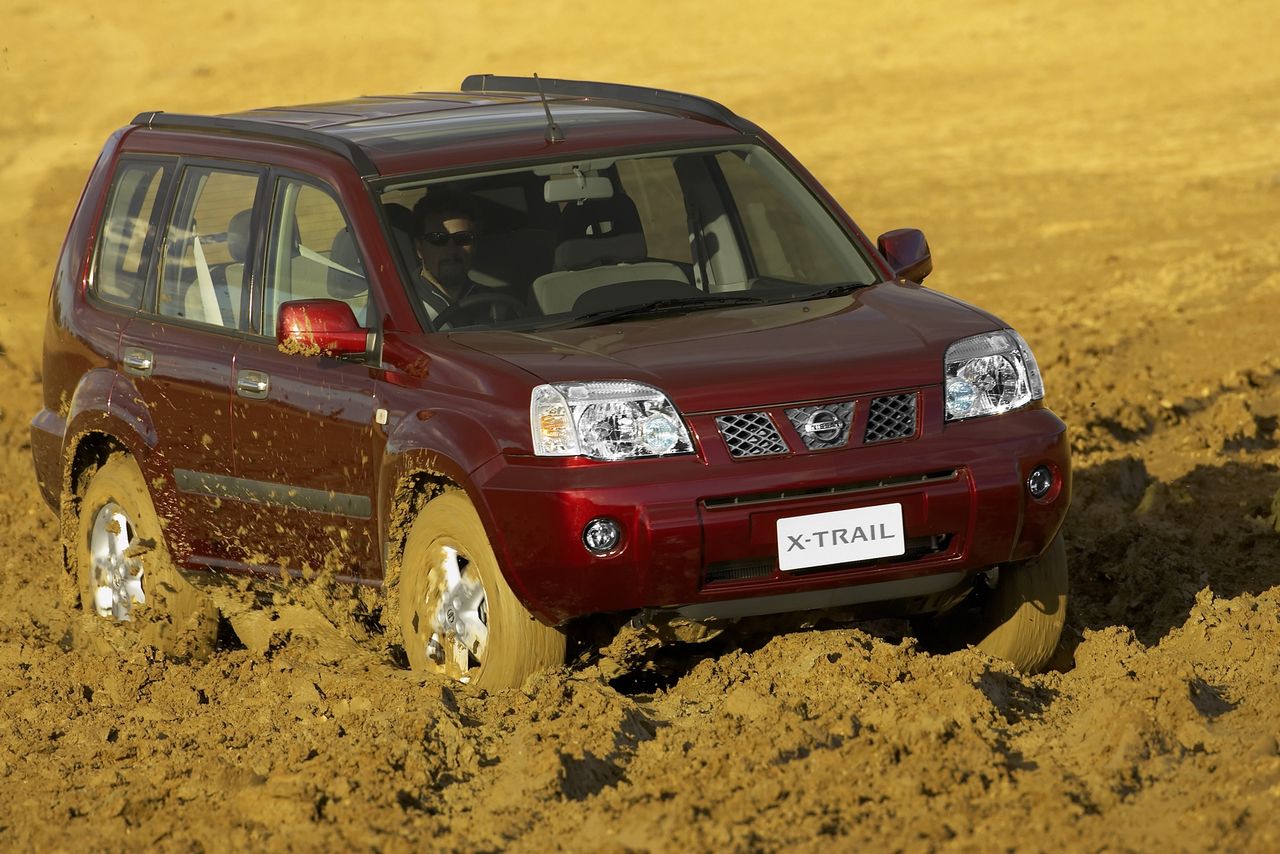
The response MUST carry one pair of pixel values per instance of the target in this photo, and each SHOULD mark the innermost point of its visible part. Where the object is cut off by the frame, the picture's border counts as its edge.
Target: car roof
(396, 134)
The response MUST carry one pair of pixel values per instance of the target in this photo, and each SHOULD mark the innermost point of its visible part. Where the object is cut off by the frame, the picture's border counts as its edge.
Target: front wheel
(458, 616)
(1025, 615)
(1021, 619)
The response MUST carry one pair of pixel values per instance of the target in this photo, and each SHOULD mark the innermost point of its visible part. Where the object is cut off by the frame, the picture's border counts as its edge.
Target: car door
(304, 423)
(178, 350)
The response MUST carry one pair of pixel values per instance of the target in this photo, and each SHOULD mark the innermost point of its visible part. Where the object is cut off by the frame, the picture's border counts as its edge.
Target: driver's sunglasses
(442, 238)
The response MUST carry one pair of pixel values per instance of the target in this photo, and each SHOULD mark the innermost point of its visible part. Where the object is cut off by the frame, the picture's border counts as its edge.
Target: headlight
(605, 421)
(990, 374)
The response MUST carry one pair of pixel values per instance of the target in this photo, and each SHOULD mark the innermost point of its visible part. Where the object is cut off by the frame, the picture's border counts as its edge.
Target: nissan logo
(823, 425)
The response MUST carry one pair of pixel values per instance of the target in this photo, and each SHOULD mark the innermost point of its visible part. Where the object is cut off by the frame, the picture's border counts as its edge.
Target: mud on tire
(1020, 620)
(123, 571)
(458, 616)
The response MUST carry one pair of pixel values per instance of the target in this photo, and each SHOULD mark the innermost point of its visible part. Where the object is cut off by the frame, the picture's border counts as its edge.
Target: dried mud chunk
(1231, 420)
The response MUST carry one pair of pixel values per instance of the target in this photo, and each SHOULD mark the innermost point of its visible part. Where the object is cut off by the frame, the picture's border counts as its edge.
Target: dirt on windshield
(1105, 179)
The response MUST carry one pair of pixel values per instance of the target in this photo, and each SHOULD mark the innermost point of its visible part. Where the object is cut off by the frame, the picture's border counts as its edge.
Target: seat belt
(208, 298)
(224, 302)
(312, 255)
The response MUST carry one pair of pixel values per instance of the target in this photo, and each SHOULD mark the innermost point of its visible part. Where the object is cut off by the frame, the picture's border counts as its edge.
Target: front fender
(444, 443)
(439, 446)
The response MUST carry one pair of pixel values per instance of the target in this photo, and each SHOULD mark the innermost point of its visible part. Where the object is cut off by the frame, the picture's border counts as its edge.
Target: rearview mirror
(907, 252)
(311, 327)
(577, 188)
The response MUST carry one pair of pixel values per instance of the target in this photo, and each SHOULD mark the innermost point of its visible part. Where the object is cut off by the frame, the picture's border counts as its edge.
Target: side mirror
(907, 252)
(310, 327)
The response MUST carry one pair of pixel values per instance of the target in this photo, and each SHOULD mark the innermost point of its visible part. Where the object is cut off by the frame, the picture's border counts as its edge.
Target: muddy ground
(1105, 176)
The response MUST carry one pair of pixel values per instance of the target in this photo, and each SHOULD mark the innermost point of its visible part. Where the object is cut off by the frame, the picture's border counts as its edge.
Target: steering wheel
(499, 306)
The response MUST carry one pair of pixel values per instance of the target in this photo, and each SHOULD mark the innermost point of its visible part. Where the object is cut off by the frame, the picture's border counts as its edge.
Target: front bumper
(699, 530)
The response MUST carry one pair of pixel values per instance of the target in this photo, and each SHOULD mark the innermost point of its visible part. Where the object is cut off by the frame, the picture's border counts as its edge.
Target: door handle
(138, 361)
(253, 384)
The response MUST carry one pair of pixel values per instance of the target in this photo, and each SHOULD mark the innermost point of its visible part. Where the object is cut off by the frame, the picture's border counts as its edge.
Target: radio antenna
(554, 134)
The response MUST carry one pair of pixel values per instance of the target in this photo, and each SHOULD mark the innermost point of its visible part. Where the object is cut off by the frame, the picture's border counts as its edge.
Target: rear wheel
(123, 569)
(458, 615)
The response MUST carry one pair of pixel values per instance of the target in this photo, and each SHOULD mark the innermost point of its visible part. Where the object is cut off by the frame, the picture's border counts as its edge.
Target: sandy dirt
(1105, 176)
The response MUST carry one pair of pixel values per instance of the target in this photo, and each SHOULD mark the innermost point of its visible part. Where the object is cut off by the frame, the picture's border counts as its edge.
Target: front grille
(750, 434)
(892, 417)
(917, 548)
(800, 493)
(739, 570)
(822, 427)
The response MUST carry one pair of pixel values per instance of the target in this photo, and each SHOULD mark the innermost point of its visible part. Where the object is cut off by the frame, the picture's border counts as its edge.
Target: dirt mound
(830, 734)
(1105, 180)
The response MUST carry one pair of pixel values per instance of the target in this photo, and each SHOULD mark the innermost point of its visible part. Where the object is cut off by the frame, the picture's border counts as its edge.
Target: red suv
(524, 353)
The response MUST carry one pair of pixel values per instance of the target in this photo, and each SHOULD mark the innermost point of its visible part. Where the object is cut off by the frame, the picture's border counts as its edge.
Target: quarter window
(128, 234)
(207, 246)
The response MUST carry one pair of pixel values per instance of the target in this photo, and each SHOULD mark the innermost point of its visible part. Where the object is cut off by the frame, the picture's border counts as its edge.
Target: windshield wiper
(660, 306)
(833, 291)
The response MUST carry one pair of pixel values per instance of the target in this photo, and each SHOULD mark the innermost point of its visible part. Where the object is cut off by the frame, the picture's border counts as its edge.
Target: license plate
(842, 536)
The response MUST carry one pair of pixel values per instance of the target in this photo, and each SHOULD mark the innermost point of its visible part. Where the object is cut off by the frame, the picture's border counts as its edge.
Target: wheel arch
(101, 422)
(425, 454)
(106, 412)
(409, 480)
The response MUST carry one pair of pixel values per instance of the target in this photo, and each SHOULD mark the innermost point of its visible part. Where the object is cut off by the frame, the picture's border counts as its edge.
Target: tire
(1020, 620)
(123, 570)
(458, 616)
(1023, 618)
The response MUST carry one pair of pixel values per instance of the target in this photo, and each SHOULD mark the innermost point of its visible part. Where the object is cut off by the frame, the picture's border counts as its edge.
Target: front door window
(311, 253)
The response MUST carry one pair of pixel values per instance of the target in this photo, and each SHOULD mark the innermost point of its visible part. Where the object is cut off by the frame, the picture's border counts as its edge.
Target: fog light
(1040, 481)
(601, 535)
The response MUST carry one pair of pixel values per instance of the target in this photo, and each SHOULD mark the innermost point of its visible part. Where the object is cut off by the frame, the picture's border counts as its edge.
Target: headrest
(600, 231)
(238, 236)
(400, 219)
(344, 285)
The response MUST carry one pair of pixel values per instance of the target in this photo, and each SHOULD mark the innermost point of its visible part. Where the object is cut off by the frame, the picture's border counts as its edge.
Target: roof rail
(613, 91)
(268, 130)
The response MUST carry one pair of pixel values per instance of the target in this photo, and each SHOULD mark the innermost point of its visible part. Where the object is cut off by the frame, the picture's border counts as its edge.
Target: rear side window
(207, 245)
(128, 233)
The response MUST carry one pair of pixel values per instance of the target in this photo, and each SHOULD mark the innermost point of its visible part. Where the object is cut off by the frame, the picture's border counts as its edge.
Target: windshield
(616, 238)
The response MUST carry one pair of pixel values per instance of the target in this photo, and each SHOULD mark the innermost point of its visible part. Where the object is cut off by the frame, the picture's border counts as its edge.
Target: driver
(444, 230)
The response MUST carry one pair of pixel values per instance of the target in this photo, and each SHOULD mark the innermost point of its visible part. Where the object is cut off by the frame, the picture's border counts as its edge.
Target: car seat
(601, 243)
(227, 280)
(233, 273)
(346, 280)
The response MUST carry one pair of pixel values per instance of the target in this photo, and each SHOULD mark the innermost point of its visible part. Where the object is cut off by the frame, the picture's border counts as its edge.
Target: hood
(884, 337)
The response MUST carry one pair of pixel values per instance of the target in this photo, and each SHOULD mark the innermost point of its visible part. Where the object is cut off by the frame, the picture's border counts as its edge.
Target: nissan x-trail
(512, 358)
